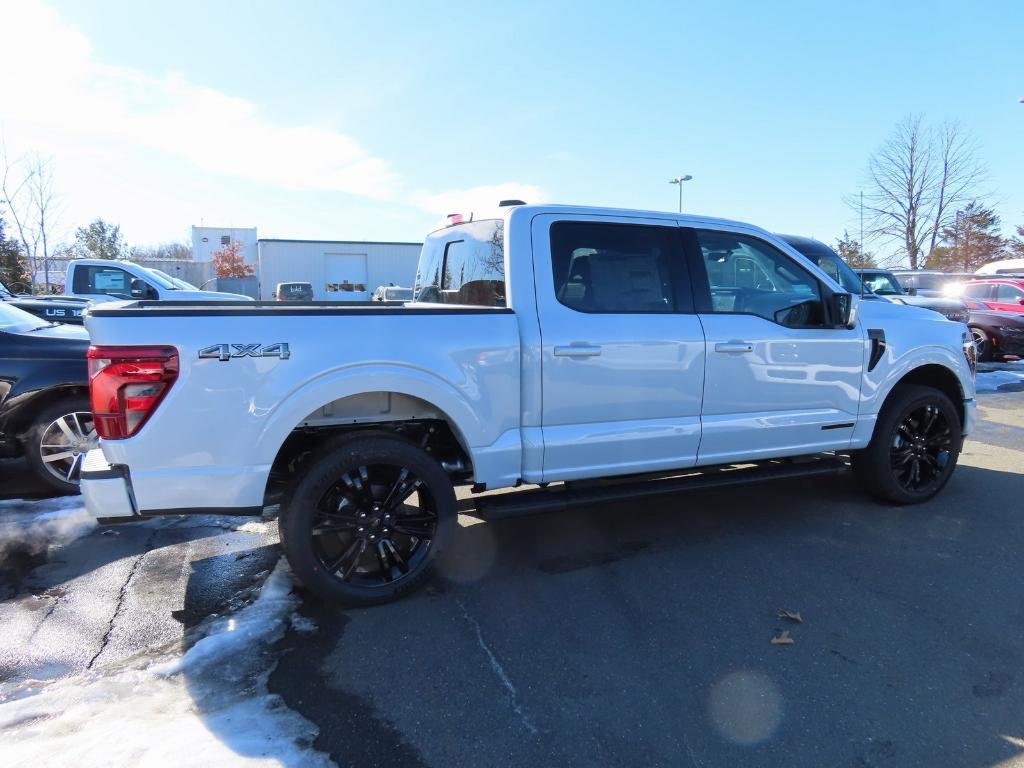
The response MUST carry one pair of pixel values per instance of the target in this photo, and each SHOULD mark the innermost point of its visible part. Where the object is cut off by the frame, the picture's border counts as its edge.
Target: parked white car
(110, 280)
(561, 344)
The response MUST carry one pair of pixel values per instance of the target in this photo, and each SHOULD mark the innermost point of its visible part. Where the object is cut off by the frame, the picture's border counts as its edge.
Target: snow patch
(209, 706)
(994, 381)
(36, 524)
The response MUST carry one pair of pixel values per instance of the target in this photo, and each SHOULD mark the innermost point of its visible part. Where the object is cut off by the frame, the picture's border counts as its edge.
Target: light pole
(679, 180)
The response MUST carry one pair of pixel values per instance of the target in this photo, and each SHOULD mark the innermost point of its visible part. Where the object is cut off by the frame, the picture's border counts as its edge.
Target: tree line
(30, 213)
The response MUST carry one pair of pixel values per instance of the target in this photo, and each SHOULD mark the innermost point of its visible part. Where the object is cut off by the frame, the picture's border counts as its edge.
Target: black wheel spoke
(384, 560)
(395, 556)
(348, 559)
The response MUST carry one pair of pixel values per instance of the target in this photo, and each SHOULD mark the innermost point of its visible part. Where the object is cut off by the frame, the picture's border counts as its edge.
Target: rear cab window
(463, 265)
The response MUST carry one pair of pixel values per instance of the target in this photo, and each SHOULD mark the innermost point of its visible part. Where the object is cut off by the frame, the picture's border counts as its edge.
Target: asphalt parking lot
(640, 635)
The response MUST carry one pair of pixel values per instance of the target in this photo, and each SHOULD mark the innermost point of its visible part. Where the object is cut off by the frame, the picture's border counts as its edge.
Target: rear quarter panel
(212, 440)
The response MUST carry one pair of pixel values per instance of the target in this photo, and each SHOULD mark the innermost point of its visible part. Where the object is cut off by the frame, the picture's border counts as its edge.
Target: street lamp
(679, 180)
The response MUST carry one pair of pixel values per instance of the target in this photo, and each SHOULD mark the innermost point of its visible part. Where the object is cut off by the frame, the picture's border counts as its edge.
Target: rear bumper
(110, 496)
(107, 489)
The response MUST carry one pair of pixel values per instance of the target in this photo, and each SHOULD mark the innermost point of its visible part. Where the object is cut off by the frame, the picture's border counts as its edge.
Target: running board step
(534, 501)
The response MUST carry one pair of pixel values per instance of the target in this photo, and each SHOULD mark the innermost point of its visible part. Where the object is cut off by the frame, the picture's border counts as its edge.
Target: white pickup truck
(110, 280)
(546, 345)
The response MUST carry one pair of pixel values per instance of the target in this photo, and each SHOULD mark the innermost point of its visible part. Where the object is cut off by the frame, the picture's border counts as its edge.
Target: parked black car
(996, 334)
(45, 414)
(58, 309)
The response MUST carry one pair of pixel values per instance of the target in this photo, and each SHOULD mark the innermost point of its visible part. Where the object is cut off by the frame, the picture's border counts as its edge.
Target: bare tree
(28, 190)
(901, 180)
(916, 180)
(959, 172)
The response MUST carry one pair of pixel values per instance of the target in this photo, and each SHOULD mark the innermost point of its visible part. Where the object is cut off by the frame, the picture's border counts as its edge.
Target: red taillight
(126, 384)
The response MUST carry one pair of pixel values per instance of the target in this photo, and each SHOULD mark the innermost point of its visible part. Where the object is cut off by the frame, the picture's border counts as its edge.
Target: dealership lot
(619, 635)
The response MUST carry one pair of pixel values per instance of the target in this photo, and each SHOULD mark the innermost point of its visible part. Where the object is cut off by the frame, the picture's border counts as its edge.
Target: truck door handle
(578, 350)
(734, 346)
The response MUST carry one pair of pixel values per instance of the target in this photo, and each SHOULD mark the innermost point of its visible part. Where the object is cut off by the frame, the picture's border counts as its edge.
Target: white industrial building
(339, 270)
(207, 240)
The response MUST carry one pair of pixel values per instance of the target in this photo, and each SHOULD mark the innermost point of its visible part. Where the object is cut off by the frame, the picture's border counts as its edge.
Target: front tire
(914, 449)
(982, 343)
(58, 440)
(366, 520)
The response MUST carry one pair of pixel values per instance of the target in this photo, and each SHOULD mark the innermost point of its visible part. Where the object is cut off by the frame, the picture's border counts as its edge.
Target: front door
(622, 352)
(778, 382)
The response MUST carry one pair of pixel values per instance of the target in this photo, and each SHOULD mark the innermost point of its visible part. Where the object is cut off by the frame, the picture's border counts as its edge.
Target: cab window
(111, 281)
(1008, 294)
(615, 268)
(463, 265)
(748, 276)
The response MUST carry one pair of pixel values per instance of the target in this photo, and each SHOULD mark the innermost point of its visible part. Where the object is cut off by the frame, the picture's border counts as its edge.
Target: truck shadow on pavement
(634, 634)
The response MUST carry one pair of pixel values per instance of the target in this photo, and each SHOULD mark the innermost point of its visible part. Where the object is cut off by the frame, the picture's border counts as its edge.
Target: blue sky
(370, 120)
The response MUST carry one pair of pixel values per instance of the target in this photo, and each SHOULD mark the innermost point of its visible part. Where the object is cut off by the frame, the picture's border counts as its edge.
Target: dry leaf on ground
(783, 638)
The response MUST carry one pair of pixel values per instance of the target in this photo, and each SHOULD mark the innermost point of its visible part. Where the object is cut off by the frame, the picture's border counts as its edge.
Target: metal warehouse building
(340, 270)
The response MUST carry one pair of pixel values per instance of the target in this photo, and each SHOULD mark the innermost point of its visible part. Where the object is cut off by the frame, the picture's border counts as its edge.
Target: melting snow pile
(993, 381)
(209, 706)
(32, 526)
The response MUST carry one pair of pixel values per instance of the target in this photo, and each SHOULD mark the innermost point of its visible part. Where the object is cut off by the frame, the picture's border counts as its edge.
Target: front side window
(615, 268)
(979, 291)
(749, 276)
(109, 281)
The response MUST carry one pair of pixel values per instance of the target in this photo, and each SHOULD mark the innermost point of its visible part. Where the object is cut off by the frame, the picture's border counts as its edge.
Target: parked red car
(1005, 294)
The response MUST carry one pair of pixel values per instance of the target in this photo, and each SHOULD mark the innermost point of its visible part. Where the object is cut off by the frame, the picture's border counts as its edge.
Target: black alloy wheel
(365, 533)
(366, 520)
(914, 448)
(921, 448)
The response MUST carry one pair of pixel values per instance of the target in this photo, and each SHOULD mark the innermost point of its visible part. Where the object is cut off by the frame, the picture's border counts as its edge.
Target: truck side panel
(214, 437)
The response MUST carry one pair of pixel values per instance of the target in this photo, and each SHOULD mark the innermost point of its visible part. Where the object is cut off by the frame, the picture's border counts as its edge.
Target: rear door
(622, 352)
(778, 382)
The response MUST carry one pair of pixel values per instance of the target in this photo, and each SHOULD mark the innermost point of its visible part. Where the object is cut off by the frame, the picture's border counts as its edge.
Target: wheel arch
(936, 376)
(22, 417)
(352, 402)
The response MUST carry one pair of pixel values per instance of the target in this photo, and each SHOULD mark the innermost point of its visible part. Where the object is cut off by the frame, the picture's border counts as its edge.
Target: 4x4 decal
(225, 352)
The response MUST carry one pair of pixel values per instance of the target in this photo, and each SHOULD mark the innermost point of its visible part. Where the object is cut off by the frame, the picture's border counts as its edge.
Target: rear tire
(58, 440)
(366, 520)
(914, 449)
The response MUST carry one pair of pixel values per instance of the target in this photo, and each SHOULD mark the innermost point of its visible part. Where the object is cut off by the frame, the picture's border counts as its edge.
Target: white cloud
(59, 84)
(119, 136)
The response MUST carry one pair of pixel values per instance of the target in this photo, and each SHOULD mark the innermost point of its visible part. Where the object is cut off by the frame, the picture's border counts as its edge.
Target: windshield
(14, 320)
(158, 277)
(177, 284)
(883, 284)
(827, 260)
(398, 294)
(4, 293)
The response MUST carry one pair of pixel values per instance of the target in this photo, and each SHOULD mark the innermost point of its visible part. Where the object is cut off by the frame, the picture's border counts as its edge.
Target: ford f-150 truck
(546, 345)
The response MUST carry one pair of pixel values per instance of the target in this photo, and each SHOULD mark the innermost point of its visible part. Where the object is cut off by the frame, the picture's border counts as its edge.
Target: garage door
(345, 277)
